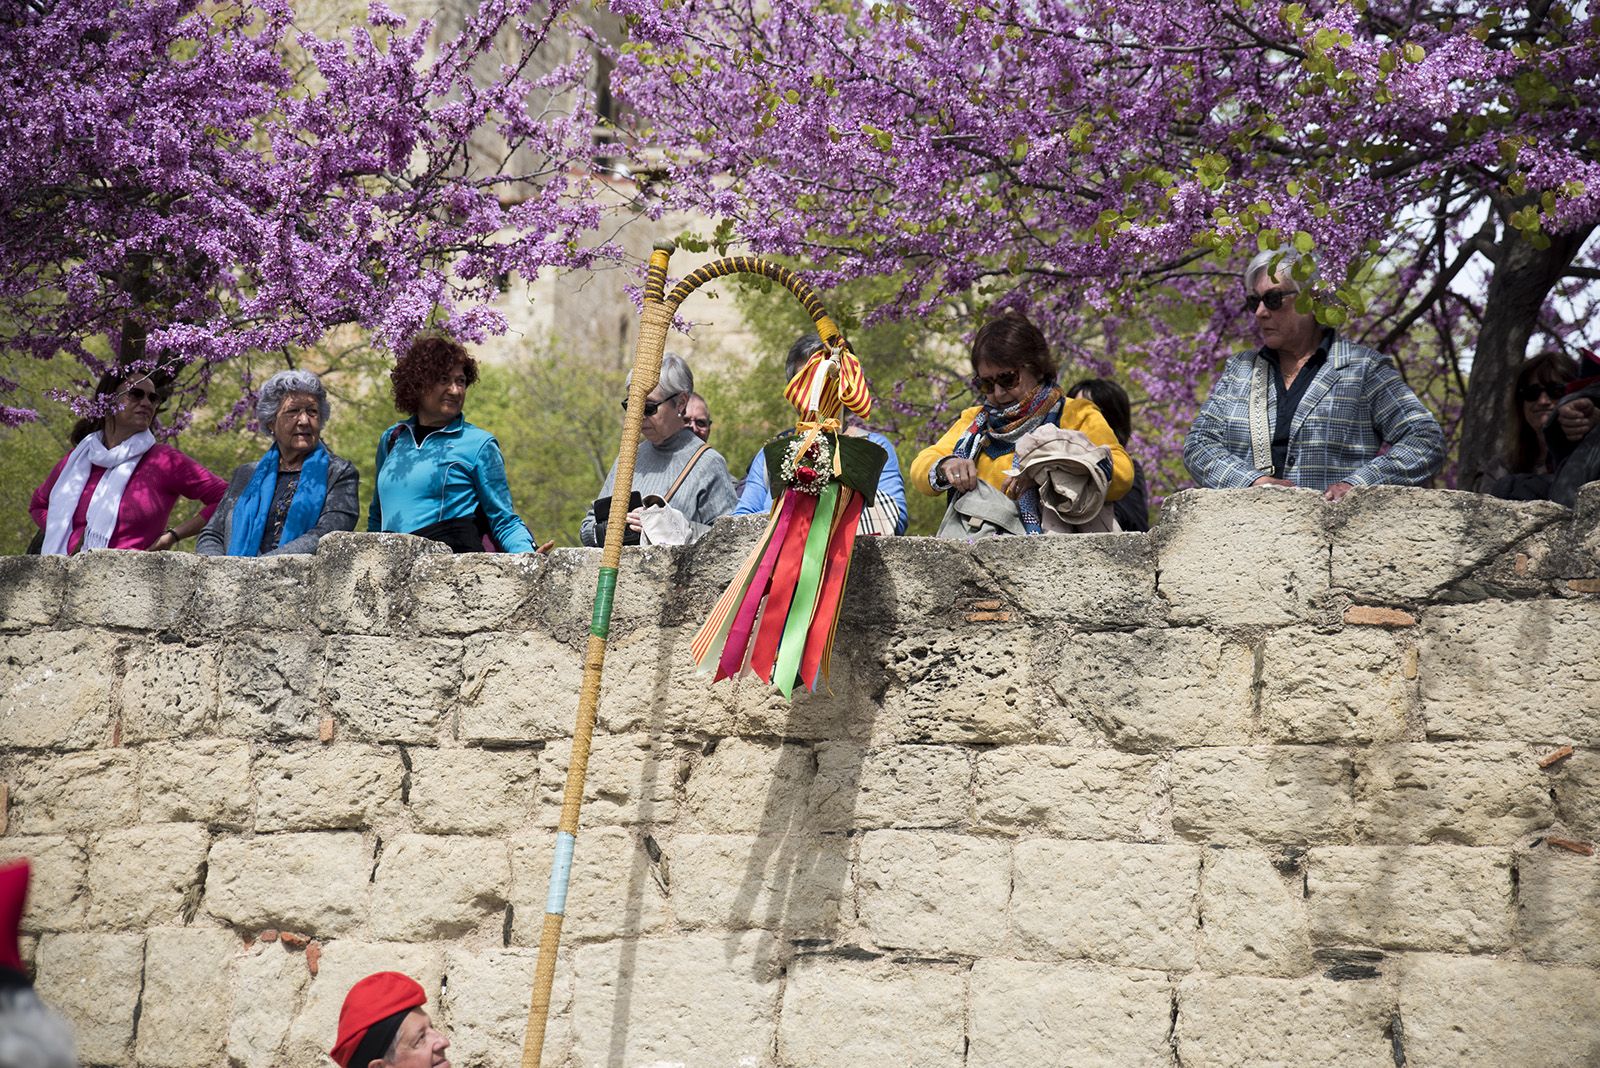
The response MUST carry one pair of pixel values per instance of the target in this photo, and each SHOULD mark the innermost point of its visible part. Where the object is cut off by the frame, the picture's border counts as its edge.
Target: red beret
(13, 895)
(374, 998)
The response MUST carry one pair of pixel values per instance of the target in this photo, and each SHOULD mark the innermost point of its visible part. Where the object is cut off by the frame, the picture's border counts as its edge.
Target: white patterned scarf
(101, 520)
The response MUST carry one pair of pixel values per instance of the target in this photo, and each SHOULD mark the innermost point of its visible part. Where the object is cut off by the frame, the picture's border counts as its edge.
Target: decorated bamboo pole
(653, 324)
(654, 321)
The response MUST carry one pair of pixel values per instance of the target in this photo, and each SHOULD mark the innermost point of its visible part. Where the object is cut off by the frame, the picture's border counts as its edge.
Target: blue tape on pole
(560, 872)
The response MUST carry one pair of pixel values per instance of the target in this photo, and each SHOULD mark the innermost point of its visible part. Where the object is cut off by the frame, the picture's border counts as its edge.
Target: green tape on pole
(605, 589)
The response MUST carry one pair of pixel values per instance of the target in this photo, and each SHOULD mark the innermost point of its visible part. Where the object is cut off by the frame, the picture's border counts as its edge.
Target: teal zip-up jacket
(448, 476)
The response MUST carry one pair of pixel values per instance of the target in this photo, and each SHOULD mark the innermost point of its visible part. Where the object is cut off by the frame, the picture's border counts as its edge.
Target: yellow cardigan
(1076, 414)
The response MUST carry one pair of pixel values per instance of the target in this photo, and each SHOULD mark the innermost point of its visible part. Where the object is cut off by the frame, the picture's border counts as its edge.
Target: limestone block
(1024, 1012)
(935, 892)
(268, 983)
(235, 595)
(651, 685)
(1396, 543)
(844, 706)
(1477, 1012)
(472, 592)
(959, 683)
(629, 780)
(648, 576)
(1558, 907)
(169, 690)
(87, 791)
(692, 999)
(56, 895)
(1092, 580)
(343, 962)
(1080, 793)
(614, 891)
(1253, 921)
(1399, 897)
(313, 883)
(1477, 660)
(1576, 784)
(485, 1008)
(360, 582)
(911, 579)
(1245, 1020)
(147, 875)
(1352, 686)
(1466, 793)
(55, 689)
(93, 980)
(1129, 905)
(392, 690)
(1153, 689)
(201, 782)
(187, 997)
(269, 685)
(518, 688)
(890, 786)
(472, 791)
(790, 884)
(326, 787)
(1246, 556)
(99, 581)
(1261, 794)
(901, 1016)
(31, 591)
(436, 886)
(746, 786)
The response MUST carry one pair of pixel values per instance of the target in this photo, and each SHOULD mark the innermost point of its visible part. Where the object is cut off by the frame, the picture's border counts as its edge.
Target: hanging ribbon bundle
(778, 616)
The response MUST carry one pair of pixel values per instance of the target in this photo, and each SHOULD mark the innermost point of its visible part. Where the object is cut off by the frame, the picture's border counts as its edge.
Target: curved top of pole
(767, 269)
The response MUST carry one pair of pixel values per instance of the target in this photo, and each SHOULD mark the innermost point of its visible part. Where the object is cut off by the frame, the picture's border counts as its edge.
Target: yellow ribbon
(809, 429)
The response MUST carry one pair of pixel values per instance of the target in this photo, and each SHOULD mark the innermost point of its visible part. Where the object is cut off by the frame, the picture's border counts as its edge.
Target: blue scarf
(250, 510)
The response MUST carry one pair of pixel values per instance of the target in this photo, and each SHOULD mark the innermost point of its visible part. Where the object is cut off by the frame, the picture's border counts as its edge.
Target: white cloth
(1066, 466)
(101, 519)
(663, 524)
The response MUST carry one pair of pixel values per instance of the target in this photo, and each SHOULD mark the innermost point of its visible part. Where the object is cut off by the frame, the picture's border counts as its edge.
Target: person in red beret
(31, 1034)
(382, 1025)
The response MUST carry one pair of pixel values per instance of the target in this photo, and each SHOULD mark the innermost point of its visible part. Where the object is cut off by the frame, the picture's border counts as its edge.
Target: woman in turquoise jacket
(439, 476)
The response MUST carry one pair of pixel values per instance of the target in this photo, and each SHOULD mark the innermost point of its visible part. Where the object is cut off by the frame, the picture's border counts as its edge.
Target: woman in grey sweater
(668, 448)
(286, 501)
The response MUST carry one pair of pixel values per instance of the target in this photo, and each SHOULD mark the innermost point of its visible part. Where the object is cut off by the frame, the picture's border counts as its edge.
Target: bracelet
(174, 533)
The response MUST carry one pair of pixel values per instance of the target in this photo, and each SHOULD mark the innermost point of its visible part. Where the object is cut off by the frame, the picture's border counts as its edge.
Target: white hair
(1280, 261)
(32, 1035)
(279, 386)
(675, 376)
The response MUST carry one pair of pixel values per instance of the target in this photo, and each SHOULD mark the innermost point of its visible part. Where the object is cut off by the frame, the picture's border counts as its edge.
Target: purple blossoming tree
(1111, 164)
(196, 181)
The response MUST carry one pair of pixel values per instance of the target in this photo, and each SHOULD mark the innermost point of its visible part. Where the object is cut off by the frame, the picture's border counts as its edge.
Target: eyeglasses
(986, 384)
(650, 406)
(1534, 390)
(1272, 298)
(700, 424)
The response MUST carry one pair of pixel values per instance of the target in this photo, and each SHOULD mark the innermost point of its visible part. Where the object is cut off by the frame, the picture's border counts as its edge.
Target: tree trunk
(1523, 277)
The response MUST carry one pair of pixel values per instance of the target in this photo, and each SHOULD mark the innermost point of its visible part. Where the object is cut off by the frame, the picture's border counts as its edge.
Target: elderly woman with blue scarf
(1014, 375)
(286, 501)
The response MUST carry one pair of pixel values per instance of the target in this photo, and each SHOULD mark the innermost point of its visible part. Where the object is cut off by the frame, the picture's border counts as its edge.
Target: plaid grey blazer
(1355, 405)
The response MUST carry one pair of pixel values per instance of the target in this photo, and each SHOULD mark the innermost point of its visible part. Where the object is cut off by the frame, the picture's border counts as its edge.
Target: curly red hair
(426, 363)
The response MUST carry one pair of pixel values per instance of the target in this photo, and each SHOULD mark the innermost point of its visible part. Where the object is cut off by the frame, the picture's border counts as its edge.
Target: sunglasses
(1272, 298)
(985, 384)
(1534, 390)
(157, 399)
(650, 406)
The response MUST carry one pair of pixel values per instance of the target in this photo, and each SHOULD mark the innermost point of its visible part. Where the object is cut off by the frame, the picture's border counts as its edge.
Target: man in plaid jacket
(1308, 409)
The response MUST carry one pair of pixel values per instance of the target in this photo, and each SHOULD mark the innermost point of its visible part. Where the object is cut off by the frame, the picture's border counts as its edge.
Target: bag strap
(704, 447)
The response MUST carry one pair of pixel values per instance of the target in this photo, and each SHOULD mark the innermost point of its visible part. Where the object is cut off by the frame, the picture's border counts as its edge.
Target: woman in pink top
(116, 488)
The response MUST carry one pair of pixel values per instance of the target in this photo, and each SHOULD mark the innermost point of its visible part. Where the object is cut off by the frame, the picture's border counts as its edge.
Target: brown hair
(1551, 368)
(426, 363)
(110, 384)
(1012, 341)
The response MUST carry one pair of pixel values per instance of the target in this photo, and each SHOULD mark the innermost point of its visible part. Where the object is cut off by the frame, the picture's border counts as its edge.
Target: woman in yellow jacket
(1015, 375)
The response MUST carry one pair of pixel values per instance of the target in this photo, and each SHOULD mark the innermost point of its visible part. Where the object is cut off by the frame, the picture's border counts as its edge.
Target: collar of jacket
(1340, 352)
(452, 427)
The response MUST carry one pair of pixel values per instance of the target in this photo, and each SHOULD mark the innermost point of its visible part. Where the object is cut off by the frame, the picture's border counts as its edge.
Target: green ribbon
(605, 588)
(793, 643)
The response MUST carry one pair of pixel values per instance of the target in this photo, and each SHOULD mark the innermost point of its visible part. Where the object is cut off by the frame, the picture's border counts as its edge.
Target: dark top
(1289, 398)
(1132, 509)
(278, 513)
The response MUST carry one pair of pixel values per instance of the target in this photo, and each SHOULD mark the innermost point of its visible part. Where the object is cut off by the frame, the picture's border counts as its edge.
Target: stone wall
(1264, 787)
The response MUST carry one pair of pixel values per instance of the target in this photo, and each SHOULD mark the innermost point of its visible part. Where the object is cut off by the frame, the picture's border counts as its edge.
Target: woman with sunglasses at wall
(1014, 376)
(1524, 473)
(689, 477)
(117, 487)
